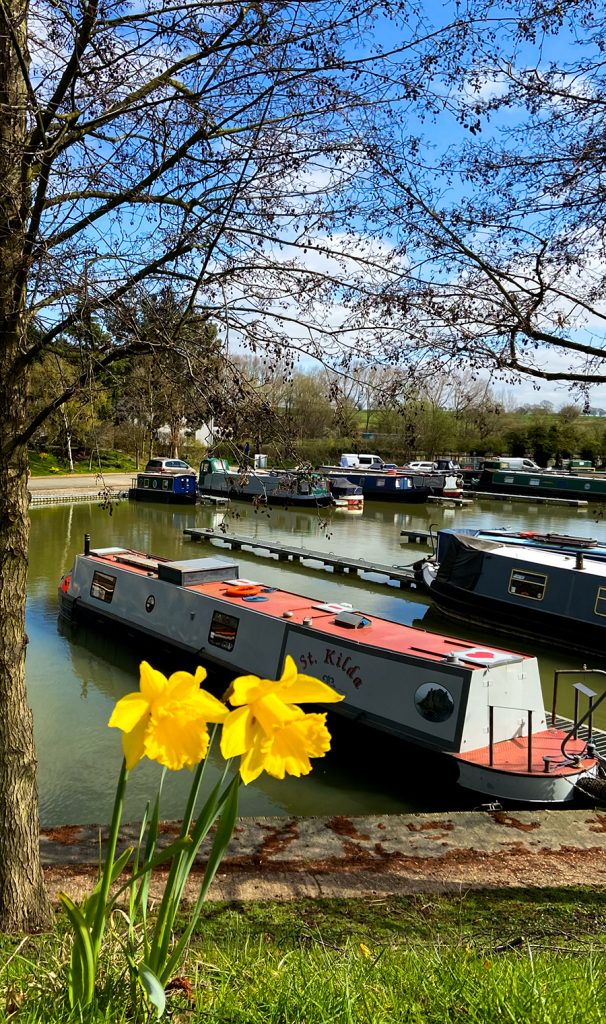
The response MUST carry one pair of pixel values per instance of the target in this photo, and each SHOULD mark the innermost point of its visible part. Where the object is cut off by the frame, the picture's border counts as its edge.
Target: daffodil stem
(195, 787)
(100, 915)
(179, 871)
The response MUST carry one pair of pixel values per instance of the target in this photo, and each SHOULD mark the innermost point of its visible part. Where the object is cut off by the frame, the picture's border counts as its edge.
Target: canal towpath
(369, 857)
(70, 486)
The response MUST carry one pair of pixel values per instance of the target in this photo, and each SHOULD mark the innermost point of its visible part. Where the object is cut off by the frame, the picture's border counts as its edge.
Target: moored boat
(346, 495)
(492, 479)
(478, 706)
(262, 486)
(387, 485)
(537, 592)
(531, 538)
(168, 488)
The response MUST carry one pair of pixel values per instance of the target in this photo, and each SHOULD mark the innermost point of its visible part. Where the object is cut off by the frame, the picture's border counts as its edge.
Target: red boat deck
(280, 604)
(512, 755)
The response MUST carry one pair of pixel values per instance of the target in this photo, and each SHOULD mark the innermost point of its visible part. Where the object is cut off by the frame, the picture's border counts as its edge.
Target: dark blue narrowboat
(168, 488)
(530, 538)
(554, 596)
(392, 485)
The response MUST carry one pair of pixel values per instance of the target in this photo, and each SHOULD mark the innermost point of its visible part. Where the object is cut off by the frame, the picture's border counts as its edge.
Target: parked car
(168, 466)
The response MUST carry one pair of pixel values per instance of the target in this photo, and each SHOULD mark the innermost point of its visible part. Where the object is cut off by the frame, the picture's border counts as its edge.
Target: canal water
(76, 676)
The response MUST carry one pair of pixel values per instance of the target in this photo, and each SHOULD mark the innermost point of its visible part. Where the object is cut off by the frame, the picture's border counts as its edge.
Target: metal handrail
(588, 716)
(433, 539)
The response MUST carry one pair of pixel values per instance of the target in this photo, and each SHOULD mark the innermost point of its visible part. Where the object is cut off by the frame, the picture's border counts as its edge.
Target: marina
(96, 670)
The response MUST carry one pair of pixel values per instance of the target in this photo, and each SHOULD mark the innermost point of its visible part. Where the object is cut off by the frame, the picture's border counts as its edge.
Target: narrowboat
(479, 707)
(528, 538)
(554, 594)
(262, 486)
(388, 485)
(346, 496)
(536, 483)
(169, 488)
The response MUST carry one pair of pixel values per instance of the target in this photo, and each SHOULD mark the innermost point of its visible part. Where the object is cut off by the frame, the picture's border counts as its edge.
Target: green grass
(47, 464)
(508, 955)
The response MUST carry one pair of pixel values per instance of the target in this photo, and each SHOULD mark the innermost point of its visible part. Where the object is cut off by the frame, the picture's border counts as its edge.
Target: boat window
(434, 702)
(103, 586)
(534, 481)
(165, 485)
(600, 601)
(223, 630)
(528, 584)
(380, 482)
(508, 480)
(145, 481)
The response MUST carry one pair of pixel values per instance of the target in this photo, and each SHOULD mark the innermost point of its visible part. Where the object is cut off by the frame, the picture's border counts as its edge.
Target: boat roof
(544, 558)
(322, 616)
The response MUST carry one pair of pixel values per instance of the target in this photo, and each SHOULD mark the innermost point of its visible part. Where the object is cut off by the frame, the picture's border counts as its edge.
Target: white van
(508, 462)
(352, 461)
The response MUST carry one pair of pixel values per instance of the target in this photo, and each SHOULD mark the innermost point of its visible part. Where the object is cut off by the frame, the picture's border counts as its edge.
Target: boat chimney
(87, 543)
(579, 564)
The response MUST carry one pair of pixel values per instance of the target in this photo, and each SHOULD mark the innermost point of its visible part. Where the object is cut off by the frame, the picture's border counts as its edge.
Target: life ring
(528, 533)
(242, 591)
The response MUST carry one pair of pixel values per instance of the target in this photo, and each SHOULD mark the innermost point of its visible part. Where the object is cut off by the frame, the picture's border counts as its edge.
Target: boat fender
(527, 533)
(242, 591)
(65, 582)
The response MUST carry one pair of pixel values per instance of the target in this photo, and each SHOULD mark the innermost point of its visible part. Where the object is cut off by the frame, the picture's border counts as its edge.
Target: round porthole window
(150, 604)
(434, 702)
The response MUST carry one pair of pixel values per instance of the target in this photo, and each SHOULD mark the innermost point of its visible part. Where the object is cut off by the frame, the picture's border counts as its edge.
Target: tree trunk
(24, 904)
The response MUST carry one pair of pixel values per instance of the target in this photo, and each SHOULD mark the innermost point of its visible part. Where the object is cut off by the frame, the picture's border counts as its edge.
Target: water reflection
(74, 679)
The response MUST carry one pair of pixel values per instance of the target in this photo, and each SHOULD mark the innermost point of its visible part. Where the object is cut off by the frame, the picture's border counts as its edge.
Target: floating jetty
(212, 499)
(438, 499)
(417, 536)
(402, 574)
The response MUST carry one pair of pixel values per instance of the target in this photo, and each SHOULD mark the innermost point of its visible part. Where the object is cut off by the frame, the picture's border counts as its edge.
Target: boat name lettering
(336, 659)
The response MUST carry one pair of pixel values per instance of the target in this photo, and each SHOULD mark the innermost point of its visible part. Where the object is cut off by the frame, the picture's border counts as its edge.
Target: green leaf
(223, 834)
(81, 980)
(160, 858)
(119, 864)
(225, 828)
(153, 989)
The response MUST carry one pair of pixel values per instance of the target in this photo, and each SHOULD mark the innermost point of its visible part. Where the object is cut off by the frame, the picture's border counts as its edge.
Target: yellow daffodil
(269, 731)
(167, 719)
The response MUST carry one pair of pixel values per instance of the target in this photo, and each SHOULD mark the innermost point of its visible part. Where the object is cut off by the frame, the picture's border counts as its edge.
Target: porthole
(434, 702)
(150, 604)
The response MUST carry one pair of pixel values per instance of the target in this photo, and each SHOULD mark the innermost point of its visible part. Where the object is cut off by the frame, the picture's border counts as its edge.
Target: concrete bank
(286, 858)
(55, 490)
